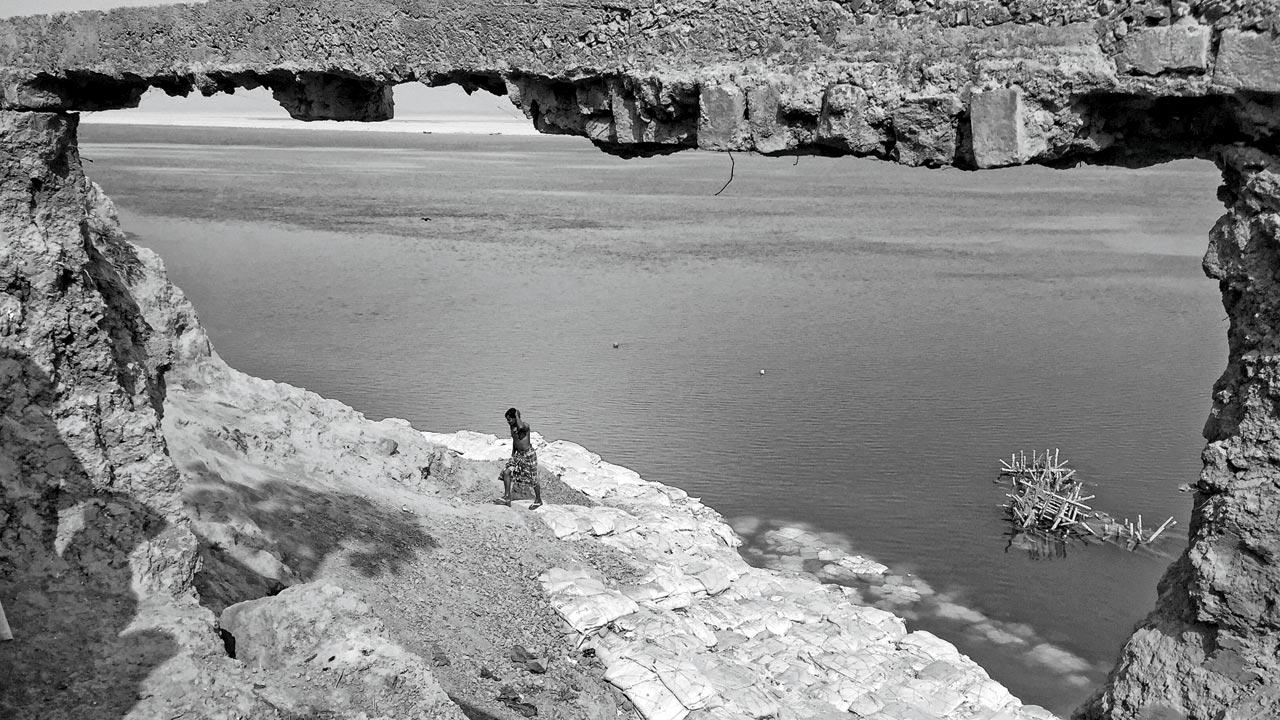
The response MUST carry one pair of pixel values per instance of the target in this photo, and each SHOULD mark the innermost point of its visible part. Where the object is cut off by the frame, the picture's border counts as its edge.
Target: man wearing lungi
(522, 468)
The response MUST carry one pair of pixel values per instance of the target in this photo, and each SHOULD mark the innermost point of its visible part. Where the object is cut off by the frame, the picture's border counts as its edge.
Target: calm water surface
(914, 326)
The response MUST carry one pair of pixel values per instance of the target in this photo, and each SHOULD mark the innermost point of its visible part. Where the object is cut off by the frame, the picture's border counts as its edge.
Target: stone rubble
(704, 635)
(321, 649)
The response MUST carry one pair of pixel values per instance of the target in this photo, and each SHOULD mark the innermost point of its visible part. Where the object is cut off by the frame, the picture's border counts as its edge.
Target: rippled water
(913, 326)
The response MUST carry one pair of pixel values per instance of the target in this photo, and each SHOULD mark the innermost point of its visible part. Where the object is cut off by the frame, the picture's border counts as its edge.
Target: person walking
(522, 469)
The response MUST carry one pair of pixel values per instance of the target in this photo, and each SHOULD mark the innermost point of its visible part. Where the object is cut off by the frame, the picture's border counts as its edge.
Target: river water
(848, 346)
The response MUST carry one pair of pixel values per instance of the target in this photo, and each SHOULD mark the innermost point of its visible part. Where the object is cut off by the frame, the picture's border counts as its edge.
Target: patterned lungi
(524, 468)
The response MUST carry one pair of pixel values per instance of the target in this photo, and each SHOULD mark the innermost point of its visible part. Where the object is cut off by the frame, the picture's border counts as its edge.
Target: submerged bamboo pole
(1166, 524)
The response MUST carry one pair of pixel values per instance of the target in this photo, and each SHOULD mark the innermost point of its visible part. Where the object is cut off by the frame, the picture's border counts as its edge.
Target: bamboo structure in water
(1048, 497)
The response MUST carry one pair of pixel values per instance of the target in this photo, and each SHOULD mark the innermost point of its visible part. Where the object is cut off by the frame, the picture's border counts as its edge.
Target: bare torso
(521, 440)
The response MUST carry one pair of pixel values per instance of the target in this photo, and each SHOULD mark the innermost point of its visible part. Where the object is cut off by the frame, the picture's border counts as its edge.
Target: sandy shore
(413, 124)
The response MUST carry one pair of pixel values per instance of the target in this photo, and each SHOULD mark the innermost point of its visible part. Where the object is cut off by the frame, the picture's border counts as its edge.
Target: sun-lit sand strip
(415, 124)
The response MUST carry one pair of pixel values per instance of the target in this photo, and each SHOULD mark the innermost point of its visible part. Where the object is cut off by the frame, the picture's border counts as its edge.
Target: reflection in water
(1037, 545)
(1041, 545)
(799, 547)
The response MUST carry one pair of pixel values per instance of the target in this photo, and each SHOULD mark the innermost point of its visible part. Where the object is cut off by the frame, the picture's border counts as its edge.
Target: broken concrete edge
(305, 94)
(1166, 49)
(1248, 61)
(832, 113)
(987, 126)
(914, 75)
(1067, 83)
(639, 115)
(1214, 61)
(998, 131)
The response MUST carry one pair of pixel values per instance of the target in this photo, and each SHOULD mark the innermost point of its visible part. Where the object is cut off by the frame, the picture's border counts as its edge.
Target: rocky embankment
(700, 633)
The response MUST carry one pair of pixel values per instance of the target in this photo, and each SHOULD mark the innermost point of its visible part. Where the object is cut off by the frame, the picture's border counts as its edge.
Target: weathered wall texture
(91, 526)
(929, 83)
(976, 84)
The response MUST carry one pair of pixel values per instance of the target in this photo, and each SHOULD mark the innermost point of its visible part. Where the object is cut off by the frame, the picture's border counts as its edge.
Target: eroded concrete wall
(975, 84)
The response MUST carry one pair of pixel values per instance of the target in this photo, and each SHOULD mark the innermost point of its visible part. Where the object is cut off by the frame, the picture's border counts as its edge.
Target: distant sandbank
(413, 124)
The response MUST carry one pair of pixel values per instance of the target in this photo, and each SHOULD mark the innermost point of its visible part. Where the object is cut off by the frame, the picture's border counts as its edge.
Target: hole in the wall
(418, 108)
(1138, 132)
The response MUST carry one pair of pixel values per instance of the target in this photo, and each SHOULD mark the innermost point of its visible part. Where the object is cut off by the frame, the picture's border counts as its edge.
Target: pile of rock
(764, 645)
(318, 648)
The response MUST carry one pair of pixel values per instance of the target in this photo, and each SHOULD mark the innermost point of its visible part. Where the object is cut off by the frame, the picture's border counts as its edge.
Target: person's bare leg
(506, 486)
(537, 496)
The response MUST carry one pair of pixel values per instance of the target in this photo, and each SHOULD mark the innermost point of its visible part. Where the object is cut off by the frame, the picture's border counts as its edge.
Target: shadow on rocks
(257, 539)
(474, 713)
(65, 576)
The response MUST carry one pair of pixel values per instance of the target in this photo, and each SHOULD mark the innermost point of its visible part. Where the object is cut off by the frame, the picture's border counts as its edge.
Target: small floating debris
(617, 345)
(1048, 498)
(761, 372)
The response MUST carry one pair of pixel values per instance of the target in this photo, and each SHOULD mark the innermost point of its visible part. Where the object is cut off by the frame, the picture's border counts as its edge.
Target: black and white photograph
(640, 360)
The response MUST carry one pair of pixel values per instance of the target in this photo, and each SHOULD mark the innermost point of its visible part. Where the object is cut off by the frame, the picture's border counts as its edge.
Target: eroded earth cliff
(120, 540)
